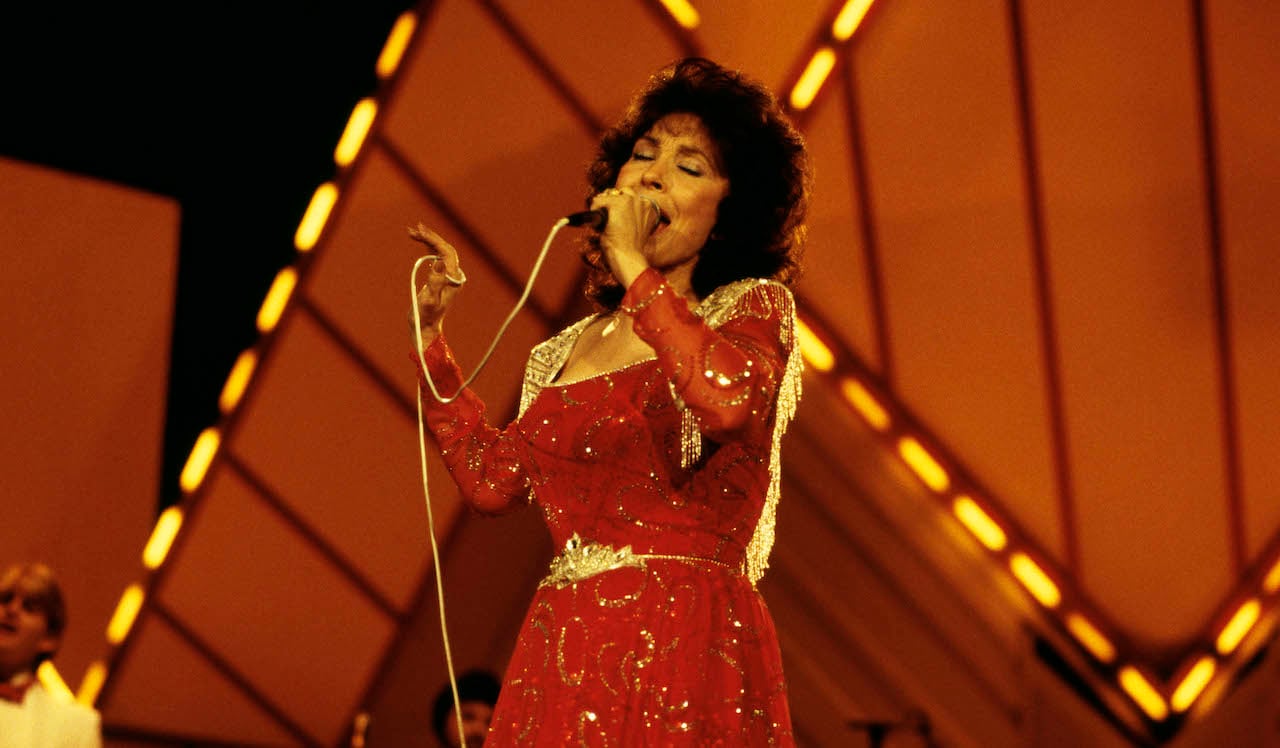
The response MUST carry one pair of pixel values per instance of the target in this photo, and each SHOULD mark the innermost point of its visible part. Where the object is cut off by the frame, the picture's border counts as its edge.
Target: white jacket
(46, 720)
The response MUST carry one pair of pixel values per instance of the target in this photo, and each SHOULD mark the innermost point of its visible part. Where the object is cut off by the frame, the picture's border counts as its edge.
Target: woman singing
(649, 432)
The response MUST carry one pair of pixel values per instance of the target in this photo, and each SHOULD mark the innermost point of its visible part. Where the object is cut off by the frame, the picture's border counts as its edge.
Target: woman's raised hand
(439, 277)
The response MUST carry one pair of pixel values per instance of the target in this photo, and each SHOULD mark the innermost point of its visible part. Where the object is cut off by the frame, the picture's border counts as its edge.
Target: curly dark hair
(759, 230)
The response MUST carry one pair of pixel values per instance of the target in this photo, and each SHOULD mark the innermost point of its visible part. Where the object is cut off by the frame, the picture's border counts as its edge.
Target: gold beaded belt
(583, 559)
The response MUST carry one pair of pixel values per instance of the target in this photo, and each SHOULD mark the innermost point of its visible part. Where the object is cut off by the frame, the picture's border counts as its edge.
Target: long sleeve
(483, 460)
(728, 374)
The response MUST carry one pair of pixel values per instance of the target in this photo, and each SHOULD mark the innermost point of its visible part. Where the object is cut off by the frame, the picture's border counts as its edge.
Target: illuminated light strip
(1037, 582)
(850, 18)
(276, 299)
(1143, 693)
(91, 684)
(1193, 684)
(865, 404)
(317, 215)
(193, 472)
(815, 352)
(126, 613)
(356, 131)
(198, 461)
(978, 522)
(1091, 638)
(923, 464)
(815, 74)
(1241, 623)
(397, 42)
(1272, 581)
(683, 12)
(237, 381)
(162, 536)
(52, 681)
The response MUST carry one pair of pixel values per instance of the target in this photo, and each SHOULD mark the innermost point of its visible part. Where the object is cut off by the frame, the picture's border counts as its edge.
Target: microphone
(597, 219)
(592, 219)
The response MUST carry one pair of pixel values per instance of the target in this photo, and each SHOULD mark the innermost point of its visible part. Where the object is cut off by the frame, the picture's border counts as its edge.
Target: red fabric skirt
(677, 653)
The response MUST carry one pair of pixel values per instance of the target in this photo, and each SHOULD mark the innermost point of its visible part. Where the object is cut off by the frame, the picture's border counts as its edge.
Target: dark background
(231, 109)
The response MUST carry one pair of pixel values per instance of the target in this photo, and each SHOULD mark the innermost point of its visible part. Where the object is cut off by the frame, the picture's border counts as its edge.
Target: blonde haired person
(33, 617)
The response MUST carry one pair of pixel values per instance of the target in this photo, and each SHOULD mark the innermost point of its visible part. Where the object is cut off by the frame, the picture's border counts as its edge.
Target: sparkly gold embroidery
(532, 697)
(722, 379)
(604, 671)
(582, 560)
(722, 654)
(644, 660)
(674, 715)
(571, 679)
(587, 720)
(625, 666)
(539, 624)
(605, 601)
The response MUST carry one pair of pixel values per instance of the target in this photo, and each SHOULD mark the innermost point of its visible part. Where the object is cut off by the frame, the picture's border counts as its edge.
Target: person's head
(32, 618)
(477, 694)
(737, 149)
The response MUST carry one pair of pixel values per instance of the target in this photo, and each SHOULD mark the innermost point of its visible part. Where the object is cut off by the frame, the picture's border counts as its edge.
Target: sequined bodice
(604, 461)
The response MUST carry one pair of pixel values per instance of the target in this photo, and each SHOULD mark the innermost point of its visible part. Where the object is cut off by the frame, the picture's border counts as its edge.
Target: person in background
(477, 693)
(33, 617)
(649, 432)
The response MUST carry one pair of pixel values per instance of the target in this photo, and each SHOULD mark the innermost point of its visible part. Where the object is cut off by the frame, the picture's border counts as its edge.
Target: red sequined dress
(658, 481)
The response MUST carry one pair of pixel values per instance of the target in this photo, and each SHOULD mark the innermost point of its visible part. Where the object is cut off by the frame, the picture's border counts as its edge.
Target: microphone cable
(422, 444)
(417, 315)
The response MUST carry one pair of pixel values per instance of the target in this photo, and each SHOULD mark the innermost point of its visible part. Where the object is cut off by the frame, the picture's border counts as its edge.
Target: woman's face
(677, 165)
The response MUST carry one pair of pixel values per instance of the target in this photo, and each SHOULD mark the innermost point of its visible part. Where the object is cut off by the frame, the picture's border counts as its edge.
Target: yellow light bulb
(685, 14)
(317, 215)
(865, 403)
(198, 461)
(978, 522)
(811, 80)
(815, 352)
(1091, 638)
(277, 298)
(356, 131)
(1035, 580)
(923, 464)
(397, 41)
(162, 537)
(237, 381)
(126, 613)
(1143, 693)
(850, 18)
(1193, 684)
(1241, 623)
